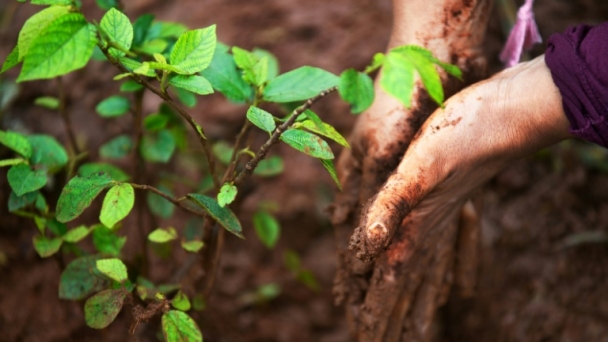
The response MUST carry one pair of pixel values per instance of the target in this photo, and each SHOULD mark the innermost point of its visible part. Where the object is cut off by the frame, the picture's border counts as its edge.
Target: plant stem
(196, 127)
(139, 173)
(274, 138)
(65, 115)
(236, 153)
(175, 200)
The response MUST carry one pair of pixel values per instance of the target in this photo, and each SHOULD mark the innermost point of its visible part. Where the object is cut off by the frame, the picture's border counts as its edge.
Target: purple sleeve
(578, 60)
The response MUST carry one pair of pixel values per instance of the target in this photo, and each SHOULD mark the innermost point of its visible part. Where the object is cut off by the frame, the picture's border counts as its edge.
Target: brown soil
(531, 287)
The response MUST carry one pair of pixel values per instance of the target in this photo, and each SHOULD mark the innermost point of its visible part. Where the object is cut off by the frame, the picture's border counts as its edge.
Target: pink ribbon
(523, 35)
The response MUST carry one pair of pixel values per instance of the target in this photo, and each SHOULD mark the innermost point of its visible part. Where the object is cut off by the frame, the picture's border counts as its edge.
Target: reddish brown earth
(531, 287)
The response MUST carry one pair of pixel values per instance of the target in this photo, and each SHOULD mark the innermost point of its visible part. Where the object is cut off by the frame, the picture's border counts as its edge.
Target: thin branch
(236, 153)
(196, 127)
(274, 138)
(65, 115)
(175, 200)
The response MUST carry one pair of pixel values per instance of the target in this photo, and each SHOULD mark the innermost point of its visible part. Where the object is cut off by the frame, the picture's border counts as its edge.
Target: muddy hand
(480, 131)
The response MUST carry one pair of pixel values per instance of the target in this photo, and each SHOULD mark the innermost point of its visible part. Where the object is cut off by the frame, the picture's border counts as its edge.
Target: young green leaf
(158, 205)
(130, 86)
(222, 152)
(449, 68)
(267, 228)
(78, 280)
(426, 70)
(157, 147)
(11, 60)
(299, 85)
(113, 106)
(193, 245)
(132, 66)
(16, 142)
(357, 89)
(101, 309)
(35, 25)
(227, 194)
(224, 77)
(273, 63)
(261, 118)
(255, 70)
(85, 170)
(224, 216)
(312, 116)
(46, 247)
(17, 202)
(76, 234)
(156, 122)
(23, 179)
(398, 78)
(141, 26)
(113, 268)
(117, 204)
(194, 50)
(47, 153)
(376, 63)
(78, 194)
(167, 29)
(179, 327)
(328, 131)
(119, 30)
(308, 143)
(269, 167)
(186, 97)
(329, 166)
(40, 204)
(48, 102)
(106, 241)
(194, 83)
(65, 45)
(56, 227)
(116, 148)
(181, 301)
(162, 235)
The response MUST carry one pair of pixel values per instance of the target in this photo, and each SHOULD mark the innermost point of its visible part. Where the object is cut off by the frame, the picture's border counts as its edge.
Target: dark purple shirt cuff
(578, 60)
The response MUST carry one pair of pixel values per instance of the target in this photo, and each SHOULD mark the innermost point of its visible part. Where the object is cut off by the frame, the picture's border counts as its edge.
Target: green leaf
(261, 118)
(227, 194)
(181, 302)
(41, 204)
(267, 228)
(155, 46)
(308, 143)
(48, 102)
(312, 116)
(376, 63)
(117, 147)
(141, 27)
(398, 78)
(107, 4)
(101, 309)
(222, 151)
(155, 122)
(119, 30)
(357, 89)
(194, 83)
(273, 63)
(65, 45)
(130, 86)
(78, 194)
(12, 161)
(23, 179)
(106, 241)
(255, 70)
(11, 60)
(158, 147)
(16, 142)
(179, 327)
(186, 97)
(194, 50)
(162, 235)
(76, 234)
(224, 77)
(17, 202)
(299, 84)
(169, 29)
(78, 280)
(46, 247)
(269, 167)
(47, 153)
(113, 268)
(132, 65)
(328, 131)
(56, 227)
(113, 106)
(426, 69)
(224, 216)
(117, 204)
(160, 206)
(192, 246)
(35, 25)
(329, 166)
(85, 170)
(449, 68)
